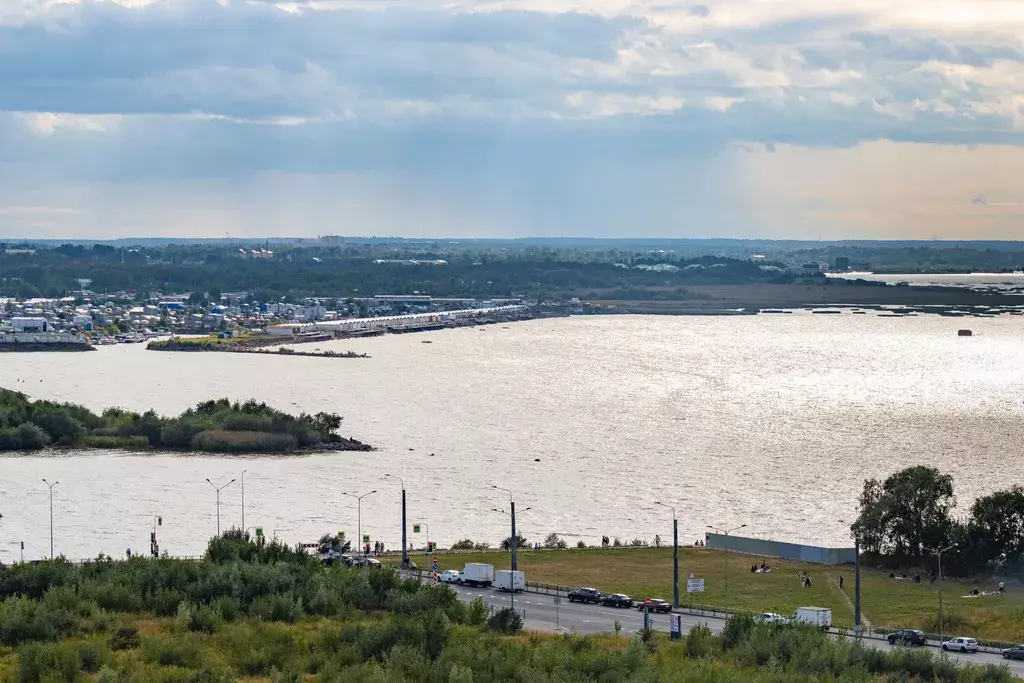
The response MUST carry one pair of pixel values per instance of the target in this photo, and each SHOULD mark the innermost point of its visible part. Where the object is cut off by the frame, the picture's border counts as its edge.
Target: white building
(24, 324)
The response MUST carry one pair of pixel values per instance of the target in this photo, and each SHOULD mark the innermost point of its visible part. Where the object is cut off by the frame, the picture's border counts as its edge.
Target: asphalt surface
(542, 614)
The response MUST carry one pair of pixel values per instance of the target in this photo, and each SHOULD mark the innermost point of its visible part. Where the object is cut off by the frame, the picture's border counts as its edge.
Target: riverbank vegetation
(264, 612)
(219, 426)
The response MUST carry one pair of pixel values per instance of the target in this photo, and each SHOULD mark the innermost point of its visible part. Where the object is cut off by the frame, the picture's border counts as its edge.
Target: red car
(654, 605)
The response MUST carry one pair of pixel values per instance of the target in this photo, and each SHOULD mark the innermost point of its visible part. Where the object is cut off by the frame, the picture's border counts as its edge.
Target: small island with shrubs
(218, 426)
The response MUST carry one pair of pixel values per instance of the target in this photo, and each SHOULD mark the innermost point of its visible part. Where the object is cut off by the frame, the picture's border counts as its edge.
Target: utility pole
(405, 545)
(726, 532)
(218, 490)
(514, 543)
(675, 554)
(51, 513)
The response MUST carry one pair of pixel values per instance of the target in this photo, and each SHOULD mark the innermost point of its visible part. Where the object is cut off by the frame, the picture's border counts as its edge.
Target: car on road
(1015, 652)
(772, 618)
(585, 595)
(654, 605)
(961, 645)
(450, 576)
(907, 636)
(616, 600)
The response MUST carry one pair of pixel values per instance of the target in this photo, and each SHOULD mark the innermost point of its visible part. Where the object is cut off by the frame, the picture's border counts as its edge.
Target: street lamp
(514, 543)
(675, 553)
(218, 489)
(405, 546)
(51, 513)
(243, 502)
(359, 512)
(726, 532)
(938, 554)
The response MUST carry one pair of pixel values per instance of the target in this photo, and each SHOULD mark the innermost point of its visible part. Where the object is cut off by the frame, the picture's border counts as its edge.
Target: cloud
(509, 97)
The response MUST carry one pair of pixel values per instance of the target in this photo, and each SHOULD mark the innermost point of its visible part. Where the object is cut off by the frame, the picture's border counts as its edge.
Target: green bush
(90, 655)
(507, 621)
(125, 638)
(38, 662)
(476, 613)
(23, 620)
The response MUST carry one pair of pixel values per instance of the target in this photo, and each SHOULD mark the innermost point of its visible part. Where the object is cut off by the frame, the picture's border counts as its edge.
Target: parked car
(371, 562)
(907, 636)
(585, 595)
(654, 605)
(450, 576)
(616, 600)
(772, 618)
(1015, 652)
(961, 644)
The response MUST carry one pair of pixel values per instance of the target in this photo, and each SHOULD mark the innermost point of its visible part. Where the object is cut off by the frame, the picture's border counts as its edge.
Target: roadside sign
(259, 532)
(415, 528)
(366, 538)
(695, 585)
(691, 575)
(341, 536)
(558, 601)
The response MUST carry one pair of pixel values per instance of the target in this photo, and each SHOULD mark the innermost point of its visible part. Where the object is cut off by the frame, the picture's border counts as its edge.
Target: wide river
(773, 421)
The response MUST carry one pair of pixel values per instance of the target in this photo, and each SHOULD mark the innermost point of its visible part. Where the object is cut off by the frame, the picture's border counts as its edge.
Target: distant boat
(426, 341)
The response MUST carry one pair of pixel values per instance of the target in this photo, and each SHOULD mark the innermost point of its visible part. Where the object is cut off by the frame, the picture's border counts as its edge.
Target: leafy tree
(997, 528)
(553, 541)
(905, 514)
(520, 542)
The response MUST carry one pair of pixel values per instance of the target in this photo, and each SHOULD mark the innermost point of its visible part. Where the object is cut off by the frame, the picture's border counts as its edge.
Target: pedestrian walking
(840, 582)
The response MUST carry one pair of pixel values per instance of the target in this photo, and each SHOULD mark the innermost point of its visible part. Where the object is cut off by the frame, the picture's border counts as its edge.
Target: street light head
(230, 482)
(743, 526)
(207, 479)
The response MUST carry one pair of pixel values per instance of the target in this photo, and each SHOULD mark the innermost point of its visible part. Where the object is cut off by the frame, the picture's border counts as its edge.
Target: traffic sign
(691, 575)
(341, 536)
(695, 586)
(366, 538)
(259, 532)
(415, 528)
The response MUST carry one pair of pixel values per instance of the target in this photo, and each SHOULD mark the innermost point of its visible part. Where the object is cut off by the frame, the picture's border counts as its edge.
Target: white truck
(815, 616)
(513, 582)
(477, 574)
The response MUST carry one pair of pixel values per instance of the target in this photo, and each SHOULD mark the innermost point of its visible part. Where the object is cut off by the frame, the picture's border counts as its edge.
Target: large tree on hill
(907, 513)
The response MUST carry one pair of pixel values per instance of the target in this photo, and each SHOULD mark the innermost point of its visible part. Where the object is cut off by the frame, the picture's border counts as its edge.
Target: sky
(510, 118)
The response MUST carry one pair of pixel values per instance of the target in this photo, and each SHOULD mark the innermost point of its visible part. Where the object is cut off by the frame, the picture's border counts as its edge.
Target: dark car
(616, 600)
(585, 595)
(655, 605)
(907, 636)
(1015, 652)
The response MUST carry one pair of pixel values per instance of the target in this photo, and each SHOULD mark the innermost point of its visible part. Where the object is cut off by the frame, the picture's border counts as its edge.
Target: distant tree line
(295, 272)
(904, 519)
(217, 426)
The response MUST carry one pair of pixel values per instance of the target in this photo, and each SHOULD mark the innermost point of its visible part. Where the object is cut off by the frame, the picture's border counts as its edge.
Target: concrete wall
(41, 338)
(781, 549)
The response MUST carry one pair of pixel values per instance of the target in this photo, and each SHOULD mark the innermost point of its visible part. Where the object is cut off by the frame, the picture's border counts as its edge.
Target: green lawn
(647, 572)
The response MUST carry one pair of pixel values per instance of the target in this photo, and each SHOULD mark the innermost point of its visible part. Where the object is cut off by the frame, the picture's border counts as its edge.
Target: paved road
(543, 615)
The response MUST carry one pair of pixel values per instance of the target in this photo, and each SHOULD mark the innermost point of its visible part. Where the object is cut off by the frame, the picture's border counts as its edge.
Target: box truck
(815, 616)
(505, 580)
(477, 574)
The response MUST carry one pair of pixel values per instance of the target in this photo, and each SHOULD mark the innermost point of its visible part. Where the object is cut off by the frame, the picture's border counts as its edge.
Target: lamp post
(512, 514)
(675, 553)
(359, 513)
(51, 513)
(218, 489)
(938, 554)
(243, 502)
(405, 546)
(726, 532)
